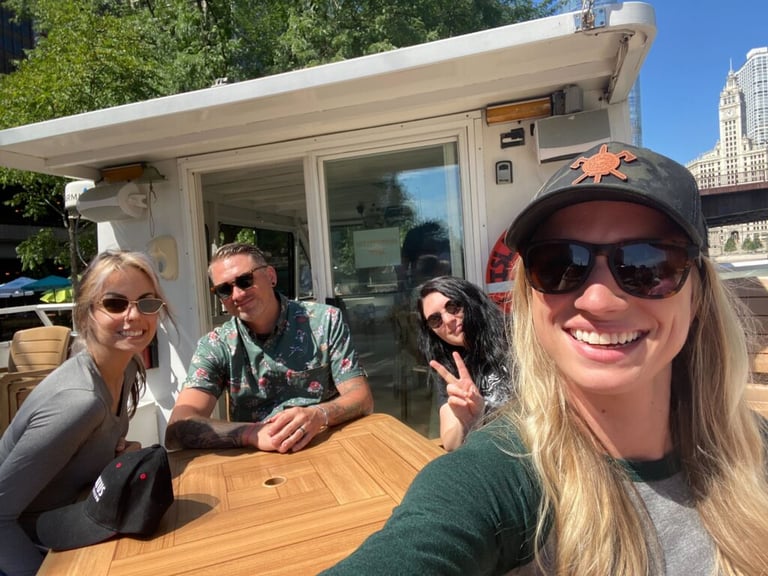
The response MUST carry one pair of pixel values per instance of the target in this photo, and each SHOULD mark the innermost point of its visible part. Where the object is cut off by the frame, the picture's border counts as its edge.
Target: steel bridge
(735, 198)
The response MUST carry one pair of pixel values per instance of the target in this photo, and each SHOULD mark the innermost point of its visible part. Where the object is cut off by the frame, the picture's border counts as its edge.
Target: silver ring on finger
(303, 432)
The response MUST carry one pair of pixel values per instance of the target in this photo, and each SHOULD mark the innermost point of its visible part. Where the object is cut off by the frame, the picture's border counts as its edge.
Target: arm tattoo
(204, 433)
(339, 414)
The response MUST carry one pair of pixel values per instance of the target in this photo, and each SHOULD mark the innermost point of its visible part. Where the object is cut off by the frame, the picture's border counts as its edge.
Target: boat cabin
(360, 178)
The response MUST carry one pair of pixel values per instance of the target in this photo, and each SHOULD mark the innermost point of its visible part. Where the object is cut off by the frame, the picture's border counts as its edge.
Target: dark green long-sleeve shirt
(474, 511)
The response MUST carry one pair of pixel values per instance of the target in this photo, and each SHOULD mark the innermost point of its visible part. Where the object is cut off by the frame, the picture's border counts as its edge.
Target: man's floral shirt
(299, 364)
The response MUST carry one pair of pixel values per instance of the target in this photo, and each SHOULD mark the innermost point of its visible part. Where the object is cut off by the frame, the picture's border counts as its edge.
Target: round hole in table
(274, 482)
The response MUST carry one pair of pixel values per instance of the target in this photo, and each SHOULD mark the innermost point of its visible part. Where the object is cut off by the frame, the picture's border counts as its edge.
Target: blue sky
(686, 69)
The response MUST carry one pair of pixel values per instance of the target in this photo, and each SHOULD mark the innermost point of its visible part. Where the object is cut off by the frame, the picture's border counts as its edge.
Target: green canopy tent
(55, 289)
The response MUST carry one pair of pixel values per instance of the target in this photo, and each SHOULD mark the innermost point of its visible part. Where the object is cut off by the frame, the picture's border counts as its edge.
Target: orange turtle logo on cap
(602, 164)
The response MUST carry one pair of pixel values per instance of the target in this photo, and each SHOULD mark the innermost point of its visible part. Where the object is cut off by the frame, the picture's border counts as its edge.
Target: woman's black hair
(483, 325)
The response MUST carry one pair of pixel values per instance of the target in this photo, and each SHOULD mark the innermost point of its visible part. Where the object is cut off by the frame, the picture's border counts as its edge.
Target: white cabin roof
(517, 62)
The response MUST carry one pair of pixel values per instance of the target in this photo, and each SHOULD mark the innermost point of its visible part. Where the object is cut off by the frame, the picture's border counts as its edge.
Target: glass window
(395, 221)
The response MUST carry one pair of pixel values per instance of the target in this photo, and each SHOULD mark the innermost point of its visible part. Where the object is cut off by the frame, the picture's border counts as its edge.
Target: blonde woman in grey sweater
(76, 420)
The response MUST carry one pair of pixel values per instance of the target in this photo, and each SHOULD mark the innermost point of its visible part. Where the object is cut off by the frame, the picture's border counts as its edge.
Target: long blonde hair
(598, 528)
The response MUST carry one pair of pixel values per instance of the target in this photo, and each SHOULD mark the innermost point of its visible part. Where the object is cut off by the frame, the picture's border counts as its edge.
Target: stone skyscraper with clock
(740, 156)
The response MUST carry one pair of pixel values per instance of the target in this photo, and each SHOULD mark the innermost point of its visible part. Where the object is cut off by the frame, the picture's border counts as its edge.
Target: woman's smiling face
(452, 328)
(603, 340)
(129, 331)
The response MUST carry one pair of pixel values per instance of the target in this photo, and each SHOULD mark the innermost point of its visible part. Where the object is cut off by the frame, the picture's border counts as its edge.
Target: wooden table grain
(244, 513)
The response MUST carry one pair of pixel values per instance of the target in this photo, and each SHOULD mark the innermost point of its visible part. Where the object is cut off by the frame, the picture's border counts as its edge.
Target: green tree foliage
(752, 243)
(282, 35)
(730, 245)
(247, 236)
(94, 54)
(91, 55)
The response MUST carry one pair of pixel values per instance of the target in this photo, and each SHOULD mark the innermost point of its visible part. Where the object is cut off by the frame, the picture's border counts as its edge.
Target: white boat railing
(40, 309)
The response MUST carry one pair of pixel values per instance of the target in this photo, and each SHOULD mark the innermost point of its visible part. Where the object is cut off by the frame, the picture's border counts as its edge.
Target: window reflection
(395, 222)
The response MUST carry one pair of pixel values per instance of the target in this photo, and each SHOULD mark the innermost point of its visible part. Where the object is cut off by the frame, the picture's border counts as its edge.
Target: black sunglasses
(642, 268)
(118, 304)
(435, 320)
(244, 281)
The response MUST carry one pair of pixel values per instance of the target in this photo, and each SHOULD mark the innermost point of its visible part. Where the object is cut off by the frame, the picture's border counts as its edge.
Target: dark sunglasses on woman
(244, 281)
(118, 305)
(642, 268)
(435, 320)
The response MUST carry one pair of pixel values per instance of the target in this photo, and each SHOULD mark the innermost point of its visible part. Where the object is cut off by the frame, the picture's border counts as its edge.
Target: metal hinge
(590, 17)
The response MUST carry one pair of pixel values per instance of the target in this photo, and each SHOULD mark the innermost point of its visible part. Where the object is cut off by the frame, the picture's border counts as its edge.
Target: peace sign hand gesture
(464, 398)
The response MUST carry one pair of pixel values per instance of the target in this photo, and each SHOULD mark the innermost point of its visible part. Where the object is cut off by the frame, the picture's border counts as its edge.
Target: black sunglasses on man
(244, 281)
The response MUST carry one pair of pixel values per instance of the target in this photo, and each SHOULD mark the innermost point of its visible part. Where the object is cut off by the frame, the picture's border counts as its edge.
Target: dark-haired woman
(462, 335)
(76, 420)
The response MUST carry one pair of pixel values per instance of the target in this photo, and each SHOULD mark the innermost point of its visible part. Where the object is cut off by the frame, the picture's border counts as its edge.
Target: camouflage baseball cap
(617, 171)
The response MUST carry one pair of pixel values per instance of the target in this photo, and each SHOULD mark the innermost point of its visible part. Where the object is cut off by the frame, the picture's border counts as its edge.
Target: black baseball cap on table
(130, 497)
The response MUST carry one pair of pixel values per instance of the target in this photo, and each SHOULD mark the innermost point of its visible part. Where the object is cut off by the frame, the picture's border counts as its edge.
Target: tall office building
(15, 37)
(635, 115)
(753, 81)
(738, 157)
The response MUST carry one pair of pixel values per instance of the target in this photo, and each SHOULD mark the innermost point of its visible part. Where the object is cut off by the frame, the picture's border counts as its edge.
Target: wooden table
(240, 512)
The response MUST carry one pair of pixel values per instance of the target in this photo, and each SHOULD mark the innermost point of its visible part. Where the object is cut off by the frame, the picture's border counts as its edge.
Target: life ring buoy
(499, 273)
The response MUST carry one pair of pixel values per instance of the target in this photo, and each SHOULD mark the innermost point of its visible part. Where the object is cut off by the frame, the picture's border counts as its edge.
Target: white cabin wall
(621, 128)
(505, 201)
(170, 215)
